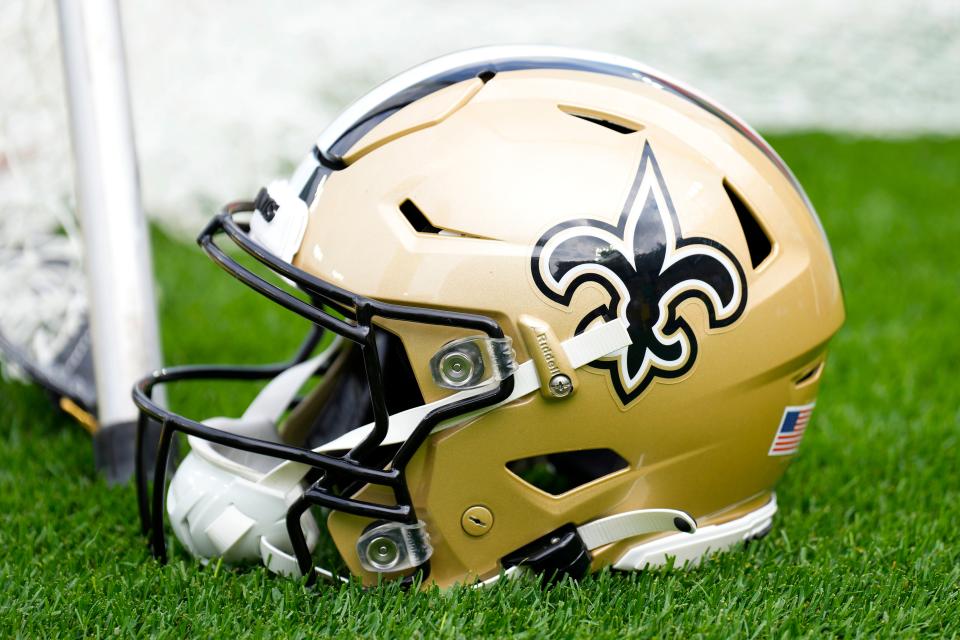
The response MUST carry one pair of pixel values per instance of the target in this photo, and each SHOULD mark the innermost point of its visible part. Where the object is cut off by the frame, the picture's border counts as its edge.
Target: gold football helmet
(569, 314)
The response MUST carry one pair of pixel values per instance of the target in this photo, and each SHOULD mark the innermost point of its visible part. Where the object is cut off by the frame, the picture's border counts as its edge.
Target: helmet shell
(493, 167)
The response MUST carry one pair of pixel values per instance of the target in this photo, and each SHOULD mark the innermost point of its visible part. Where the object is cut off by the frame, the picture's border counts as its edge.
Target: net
(43, 319)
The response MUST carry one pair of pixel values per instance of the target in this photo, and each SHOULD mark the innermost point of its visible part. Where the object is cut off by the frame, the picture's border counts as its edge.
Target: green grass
(866, 542)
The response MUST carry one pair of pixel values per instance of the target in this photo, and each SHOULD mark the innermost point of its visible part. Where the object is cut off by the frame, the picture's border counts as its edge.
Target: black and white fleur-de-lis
(647, 268)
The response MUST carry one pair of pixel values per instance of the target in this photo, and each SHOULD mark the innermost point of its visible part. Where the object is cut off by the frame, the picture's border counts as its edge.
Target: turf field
(866, 542)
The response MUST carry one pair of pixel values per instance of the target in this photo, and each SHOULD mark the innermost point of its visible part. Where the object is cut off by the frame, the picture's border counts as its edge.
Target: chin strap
(598, 341)
(566, 551)
(277, 395)
(265, 410)
(278, 561)
(621, 526)
(285, 564)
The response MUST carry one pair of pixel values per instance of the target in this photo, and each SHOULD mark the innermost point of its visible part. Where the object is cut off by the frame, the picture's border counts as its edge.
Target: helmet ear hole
(559, 473)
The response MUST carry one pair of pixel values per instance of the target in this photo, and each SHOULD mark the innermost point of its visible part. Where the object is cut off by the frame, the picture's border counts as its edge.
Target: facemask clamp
(469, 363)
(394, 546)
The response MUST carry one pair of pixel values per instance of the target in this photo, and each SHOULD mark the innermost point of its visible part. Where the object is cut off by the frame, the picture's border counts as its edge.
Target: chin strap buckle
(566, 551)
(560, 553)
(394, 546)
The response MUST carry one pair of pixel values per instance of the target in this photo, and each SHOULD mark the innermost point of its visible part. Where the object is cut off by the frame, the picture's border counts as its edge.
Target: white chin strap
(605, 338)
(621, 526)
(225, 502)
(603, 531)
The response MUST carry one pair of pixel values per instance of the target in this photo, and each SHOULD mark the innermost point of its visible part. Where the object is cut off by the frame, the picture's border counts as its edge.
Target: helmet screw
(456, 368)
(382, 552)
(560, 386)
(476, 520)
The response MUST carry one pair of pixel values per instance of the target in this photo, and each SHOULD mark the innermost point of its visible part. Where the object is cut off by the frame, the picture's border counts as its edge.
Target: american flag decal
(791, 430)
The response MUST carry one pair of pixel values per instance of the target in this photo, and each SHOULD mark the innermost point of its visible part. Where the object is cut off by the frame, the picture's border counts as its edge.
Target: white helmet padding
(224, 502)
(219, 505)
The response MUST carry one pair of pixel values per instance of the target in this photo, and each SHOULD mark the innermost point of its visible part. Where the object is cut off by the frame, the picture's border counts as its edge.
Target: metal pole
(116, 245)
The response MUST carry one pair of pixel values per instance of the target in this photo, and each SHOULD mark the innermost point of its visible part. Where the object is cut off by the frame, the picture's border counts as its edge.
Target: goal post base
(114, 448)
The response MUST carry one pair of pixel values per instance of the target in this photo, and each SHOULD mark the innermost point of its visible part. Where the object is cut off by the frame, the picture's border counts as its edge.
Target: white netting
(41, 280)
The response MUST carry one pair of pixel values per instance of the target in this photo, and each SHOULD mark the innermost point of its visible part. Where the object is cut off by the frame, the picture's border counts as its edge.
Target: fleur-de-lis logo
(647, 268)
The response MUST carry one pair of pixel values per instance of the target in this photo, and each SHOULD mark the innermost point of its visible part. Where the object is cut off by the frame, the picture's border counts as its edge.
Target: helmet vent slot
(560, 473)
(605, 120)
(810, 375)
(758, 242)
(417, 218)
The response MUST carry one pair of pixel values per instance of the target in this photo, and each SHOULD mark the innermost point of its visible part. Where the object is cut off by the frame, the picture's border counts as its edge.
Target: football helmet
(568, 313)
